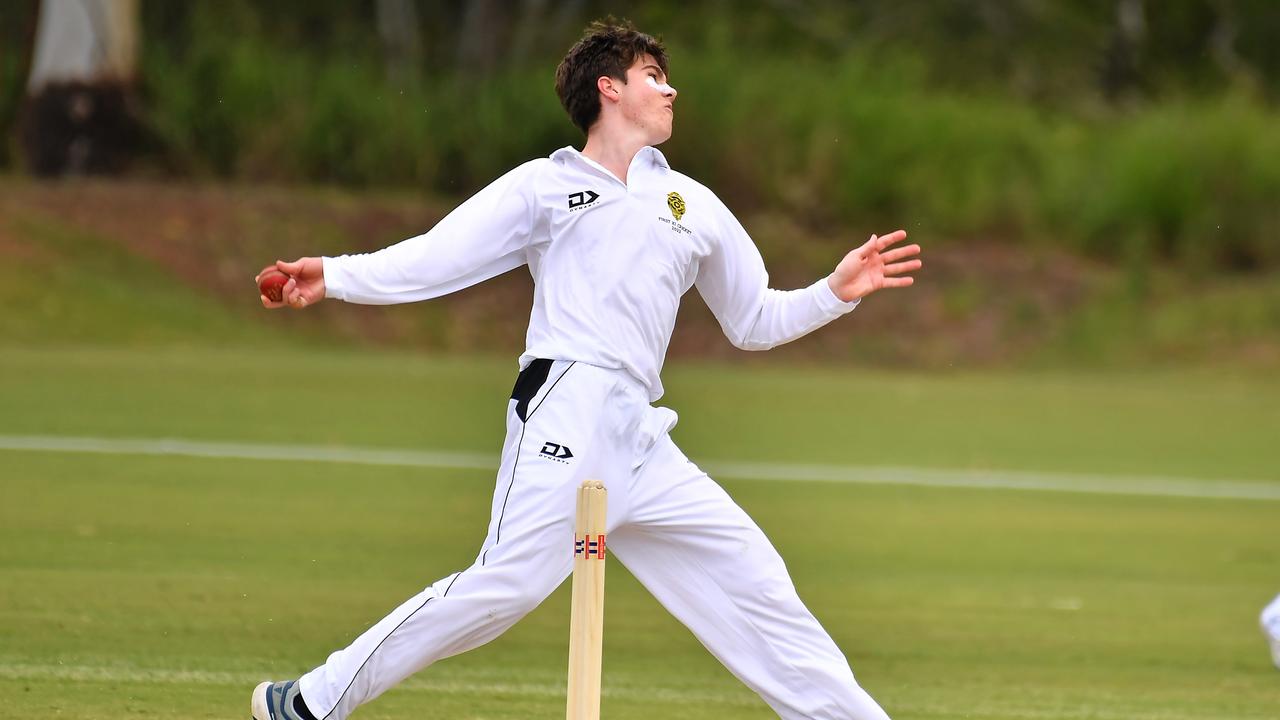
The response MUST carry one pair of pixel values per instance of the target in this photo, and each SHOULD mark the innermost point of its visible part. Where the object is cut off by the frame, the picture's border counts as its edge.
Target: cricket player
(613, 237)
(1270, 621)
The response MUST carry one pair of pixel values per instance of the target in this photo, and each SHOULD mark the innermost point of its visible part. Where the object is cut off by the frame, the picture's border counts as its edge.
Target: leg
(527, 554)
(713, 568)
(456, 614)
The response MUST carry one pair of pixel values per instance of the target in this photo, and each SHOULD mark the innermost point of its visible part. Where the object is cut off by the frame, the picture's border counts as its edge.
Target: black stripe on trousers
(528, 383)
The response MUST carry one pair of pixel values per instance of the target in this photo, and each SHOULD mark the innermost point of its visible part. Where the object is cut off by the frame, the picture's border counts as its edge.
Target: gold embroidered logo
(676, 203)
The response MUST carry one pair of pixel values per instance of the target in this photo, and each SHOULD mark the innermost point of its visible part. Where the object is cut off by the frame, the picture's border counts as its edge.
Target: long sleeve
(733, 282)
(485, 236)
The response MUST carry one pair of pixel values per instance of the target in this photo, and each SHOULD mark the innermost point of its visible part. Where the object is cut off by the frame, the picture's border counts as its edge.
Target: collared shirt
(610, 261)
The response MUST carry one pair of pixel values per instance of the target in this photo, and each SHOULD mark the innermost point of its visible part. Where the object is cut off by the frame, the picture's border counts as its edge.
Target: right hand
(874, 266)
(306, 283)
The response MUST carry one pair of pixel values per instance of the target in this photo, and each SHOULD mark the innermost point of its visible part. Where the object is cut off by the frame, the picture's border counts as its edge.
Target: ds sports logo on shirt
(584, 199)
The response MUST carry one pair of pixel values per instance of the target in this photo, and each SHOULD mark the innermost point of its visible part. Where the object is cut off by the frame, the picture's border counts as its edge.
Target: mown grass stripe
(1100, 708)
(1147, 485)
(550, 688)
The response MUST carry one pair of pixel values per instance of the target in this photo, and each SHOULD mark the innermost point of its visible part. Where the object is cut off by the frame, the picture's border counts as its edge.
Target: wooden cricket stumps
(586, 616)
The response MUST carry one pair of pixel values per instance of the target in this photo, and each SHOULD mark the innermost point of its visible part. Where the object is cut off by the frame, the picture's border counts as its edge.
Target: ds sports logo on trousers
(554, 451)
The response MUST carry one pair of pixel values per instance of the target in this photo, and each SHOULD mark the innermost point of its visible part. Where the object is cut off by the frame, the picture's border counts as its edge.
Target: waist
(640, 379)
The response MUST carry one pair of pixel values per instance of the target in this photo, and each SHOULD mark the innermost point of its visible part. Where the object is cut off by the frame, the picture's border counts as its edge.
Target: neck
(613, 149)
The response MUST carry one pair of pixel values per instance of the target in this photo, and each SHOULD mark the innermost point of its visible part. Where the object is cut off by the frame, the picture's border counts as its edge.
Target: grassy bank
(147, 263)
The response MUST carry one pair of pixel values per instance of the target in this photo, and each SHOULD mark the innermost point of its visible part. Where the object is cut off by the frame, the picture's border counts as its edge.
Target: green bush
(1194, 182)
(1198, 183)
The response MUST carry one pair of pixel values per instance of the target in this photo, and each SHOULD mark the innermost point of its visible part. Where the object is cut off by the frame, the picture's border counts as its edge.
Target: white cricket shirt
(610, 261)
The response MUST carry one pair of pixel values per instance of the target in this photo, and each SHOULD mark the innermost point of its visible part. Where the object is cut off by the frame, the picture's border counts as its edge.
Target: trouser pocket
(528, 383)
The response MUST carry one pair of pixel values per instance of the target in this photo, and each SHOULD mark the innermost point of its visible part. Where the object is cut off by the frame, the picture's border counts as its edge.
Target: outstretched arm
(735, 285)
(485, 236)
(874, 266)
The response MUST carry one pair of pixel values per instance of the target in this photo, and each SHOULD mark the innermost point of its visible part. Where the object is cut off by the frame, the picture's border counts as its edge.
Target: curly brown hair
(608, 47)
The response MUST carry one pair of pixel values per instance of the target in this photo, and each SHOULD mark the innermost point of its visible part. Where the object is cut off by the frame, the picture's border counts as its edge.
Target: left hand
(874, 266)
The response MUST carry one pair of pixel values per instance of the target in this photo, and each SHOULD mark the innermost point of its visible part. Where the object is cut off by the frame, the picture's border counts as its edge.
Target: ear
(608, 87)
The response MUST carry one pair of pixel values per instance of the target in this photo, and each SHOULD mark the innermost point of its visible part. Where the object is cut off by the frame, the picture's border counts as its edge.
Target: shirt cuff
(332, 279)
(828, 301)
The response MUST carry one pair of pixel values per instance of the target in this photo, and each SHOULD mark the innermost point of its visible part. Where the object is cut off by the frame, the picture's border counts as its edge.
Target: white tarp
(85, 41)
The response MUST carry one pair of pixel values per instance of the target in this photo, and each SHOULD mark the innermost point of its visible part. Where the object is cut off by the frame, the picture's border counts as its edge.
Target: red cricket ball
(272, 283)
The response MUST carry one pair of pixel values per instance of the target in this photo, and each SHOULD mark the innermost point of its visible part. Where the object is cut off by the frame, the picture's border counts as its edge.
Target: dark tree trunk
(1121, 69)
(401, 41)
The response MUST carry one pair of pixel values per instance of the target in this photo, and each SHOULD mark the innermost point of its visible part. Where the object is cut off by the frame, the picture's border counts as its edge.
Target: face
(647, 100)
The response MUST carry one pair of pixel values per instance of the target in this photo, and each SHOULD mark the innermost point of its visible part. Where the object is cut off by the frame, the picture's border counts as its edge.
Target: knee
(518, 599)
(851, 702)
(524, 600)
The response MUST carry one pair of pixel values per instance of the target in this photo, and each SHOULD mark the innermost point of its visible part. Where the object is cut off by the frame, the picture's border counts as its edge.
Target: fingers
(897, 282)
(902, 267)
(892, 238)
(290, 286)
(901, 253)
(297, 301)
(258, 277)
(292, 294)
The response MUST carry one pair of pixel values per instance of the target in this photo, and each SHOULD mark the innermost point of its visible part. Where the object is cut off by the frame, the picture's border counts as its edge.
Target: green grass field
(136, 585)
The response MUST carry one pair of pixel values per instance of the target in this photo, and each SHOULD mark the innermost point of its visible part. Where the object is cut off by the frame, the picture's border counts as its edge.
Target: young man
(613, 238)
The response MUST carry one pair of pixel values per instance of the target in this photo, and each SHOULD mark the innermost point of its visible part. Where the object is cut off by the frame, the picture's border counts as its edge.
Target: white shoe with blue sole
(279, 701)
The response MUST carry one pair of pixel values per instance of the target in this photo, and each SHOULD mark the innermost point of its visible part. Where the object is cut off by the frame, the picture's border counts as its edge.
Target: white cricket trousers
(673, 527)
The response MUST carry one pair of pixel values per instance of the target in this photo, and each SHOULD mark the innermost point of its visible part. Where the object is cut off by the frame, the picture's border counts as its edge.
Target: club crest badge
(676, 203)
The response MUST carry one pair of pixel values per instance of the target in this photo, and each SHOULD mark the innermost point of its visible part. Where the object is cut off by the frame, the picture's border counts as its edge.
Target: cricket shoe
(1271, 628)
(279, 701)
